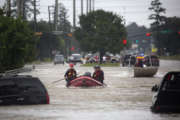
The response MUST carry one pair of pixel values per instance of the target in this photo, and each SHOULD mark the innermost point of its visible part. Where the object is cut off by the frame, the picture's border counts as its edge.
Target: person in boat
(139, 63)
(70, 74)
(98, 74)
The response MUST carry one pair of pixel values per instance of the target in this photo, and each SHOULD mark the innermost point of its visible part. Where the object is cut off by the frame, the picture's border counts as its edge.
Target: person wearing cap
(70, 74)
(98, 74)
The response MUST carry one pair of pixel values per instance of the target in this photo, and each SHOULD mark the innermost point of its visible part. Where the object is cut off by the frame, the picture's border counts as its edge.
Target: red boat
(84, 81)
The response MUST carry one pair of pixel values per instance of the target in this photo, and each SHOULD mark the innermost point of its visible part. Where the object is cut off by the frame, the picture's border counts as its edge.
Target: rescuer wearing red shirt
(98, 74)
(70, 74)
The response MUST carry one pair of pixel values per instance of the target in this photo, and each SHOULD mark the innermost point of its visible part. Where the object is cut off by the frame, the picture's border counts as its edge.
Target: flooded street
(124, 98)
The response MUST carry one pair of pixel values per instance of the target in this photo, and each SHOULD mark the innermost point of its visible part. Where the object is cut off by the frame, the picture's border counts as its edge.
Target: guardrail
(17, 71)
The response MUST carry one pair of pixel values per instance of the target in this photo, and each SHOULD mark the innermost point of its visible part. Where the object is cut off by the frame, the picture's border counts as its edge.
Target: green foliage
(64, 25)
(27, 9)
(17, 43)
(137, 35)
(101, 31)
(47, 43)
(169, 39)
(158, 10)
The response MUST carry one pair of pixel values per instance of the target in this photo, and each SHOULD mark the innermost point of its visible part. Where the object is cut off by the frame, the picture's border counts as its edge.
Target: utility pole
(35, 19)
(20, 7)
(90, 1)
(56, 15)
(82, 6)
(8, 8)
(93, 5)
(24, 10)
(87, 7)
(49, 12)
(74, 13)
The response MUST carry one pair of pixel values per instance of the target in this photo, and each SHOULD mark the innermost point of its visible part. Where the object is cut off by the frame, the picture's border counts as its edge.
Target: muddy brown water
(125, 97)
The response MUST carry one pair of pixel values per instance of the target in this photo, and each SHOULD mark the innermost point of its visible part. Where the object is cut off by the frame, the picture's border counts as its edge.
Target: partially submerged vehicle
(75, 58)
(128, 60)
(146, 66)
(59, 59)
(167, 94)
(22, 90)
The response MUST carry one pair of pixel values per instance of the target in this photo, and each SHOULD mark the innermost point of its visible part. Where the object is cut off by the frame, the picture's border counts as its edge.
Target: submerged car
(167, 94)
(59, 59)
(22, 90)
(75, 58)
(128, 60)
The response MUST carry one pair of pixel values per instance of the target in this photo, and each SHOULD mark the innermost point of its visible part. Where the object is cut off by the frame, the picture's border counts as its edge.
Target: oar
(58, 80)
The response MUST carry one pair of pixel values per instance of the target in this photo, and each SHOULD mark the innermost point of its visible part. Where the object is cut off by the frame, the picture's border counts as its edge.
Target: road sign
(57, 32)
(69, 35)
(154, 50)
(38, 33)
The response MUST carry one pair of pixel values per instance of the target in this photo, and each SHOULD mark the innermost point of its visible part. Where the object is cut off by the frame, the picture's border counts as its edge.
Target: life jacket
(98, 75)
(71, 73)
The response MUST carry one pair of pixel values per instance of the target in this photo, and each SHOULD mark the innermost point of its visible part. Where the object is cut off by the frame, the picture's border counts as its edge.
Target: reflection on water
(125, 97)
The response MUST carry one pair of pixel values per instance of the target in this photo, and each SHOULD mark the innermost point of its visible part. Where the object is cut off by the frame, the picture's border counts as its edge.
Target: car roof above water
(20, 79)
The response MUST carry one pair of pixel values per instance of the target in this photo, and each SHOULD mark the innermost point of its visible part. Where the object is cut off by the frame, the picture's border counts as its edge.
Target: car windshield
(172, 82)
(77, 56)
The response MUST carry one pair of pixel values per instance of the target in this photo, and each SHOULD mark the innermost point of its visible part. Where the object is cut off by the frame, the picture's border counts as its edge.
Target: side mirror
(155, 88)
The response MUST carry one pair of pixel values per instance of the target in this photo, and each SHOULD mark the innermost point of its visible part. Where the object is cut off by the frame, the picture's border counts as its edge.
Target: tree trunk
(101, 54)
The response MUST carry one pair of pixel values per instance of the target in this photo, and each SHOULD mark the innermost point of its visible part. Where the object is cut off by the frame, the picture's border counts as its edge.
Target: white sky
(133, 10)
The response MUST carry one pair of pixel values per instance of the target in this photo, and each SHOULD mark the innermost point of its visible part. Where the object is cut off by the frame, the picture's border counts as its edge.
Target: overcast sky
(133, 10)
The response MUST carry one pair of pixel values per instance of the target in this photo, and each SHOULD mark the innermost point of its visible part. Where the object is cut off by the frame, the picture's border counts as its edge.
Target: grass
(45, 60)
(175, 57)
(102, 65)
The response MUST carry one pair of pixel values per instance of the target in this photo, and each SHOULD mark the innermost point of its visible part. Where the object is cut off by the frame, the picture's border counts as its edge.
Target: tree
(63, 24)
(23, 8)
(169, 39)
(137, 35)
(65, 27)
(158, 10)
(48, 42)
(101, 31)
(17, 43)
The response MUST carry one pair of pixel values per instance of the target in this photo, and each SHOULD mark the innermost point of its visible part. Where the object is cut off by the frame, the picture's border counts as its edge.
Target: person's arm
(102, 75)
(75, 73)
(66, 74)
(93, 75)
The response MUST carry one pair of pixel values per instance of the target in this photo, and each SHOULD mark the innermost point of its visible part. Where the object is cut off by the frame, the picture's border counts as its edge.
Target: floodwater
(125, 97)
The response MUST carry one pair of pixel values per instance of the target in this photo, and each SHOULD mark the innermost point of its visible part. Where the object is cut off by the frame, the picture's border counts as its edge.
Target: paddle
(58, 80)
(61, 80)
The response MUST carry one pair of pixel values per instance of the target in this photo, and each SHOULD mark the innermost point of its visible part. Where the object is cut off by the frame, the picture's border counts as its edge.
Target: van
(58, 59)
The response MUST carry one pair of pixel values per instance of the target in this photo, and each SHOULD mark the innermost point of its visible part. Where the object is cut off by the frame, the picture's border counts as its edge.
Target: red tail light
(47, 98)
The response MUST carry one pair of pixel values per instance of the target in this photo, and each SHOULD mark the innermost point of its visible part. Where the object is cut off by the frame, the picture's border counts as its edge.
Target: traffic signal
(137, 41)
(124, 42)
(72, 48)
(148, 34)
